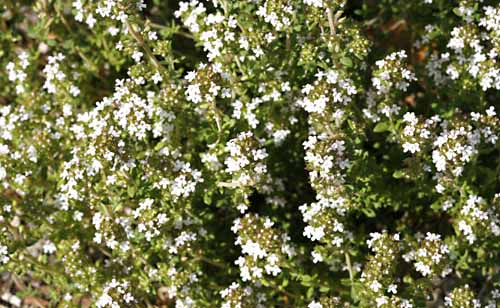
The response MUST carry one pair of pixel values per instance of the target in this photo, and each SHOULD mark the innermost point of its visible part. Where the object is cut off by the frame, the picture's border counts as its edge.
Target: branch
(333, 20)
(138, 37)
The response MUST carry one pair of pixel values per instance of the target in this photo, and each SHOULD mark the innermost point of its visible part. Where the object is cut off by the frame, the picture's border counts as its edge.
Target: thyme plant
(218, 153)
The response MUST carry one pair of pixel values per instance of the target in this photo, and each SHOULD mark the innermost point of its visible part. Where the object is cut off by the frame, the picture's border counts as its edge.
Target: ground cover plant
(257, 153)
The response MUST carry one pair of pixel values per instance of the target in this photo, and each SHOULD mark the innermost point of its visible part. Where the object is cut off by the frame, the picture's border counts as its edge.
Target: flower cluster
(246, 161)
(17, 74)
(476, 220)
(379, 286)
(202, 85)
(105, 300)
(351, 150)
(324, 225)
(4, 254)
(324, 302)
(452, 143)
(390, 78)
(277, 13)
(391, 74)
(462, 297)
(264, 248)
(458, 144)
(430, 257)
(326, 160)
(237, 296)
(328, 90)
(417, 132)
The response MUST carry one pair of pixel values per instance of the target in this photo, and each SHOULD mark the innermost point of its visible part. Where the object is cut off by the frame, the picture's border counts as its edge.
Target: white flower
(157, 78)
(152, 35)
(49, 247)
(113, 31)
(137, 55)
(74, 91)
(104, 300)
(411, 147)
(410, 117)
(439, 160)
(90, 21)
(381, 301)
(375, 286)
(268, 223)
(272, 269)
(315, 234)
(424, 269)
(314, 304)
(253, 249)
(316, 257)
(193, 93)
(392, 289)
(77, 216)
(190, 76)
(440, 188)
(4, 254)
(3, 173)
(491, 111)
(315, 3)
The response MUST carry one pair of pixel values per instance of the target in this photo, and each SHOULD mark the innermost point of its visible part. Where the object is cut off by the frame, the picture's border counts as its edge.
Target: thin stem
(46, 268)
(85, 59)
(185, 34)
(218, 121)
(148, 303)
(138, 37)
(101, 249)
(331, 21)
(349, 268)
(214, 263)
(278, 289)
(178, 32)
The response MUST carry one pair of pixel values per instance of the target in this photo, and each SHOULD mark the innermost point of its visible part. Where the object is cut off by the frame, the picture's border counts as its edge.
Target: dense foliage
(253, 153)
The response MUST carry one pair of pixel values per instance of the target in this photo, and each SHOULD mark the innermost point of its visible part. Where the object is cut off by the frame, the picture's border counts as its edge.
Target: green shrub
(286, 153)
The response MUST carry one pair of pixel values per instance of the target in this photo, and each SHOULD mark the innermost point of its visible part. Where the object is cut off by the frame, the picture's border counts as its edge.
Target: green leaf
(285, 282)
(398, 174)
(369, 212)
(207, 198)
(381, 127)
(346, 61)
(131, 191)
(310, 292)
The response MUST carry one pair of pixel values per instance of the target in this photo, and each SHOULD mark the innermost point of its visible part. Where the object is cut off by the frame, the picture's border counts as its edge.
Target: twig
(331, 21)
(138, 37)
(278, 289)
(349, 268)
(216, 264)
(46, 268)
(185, 34)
